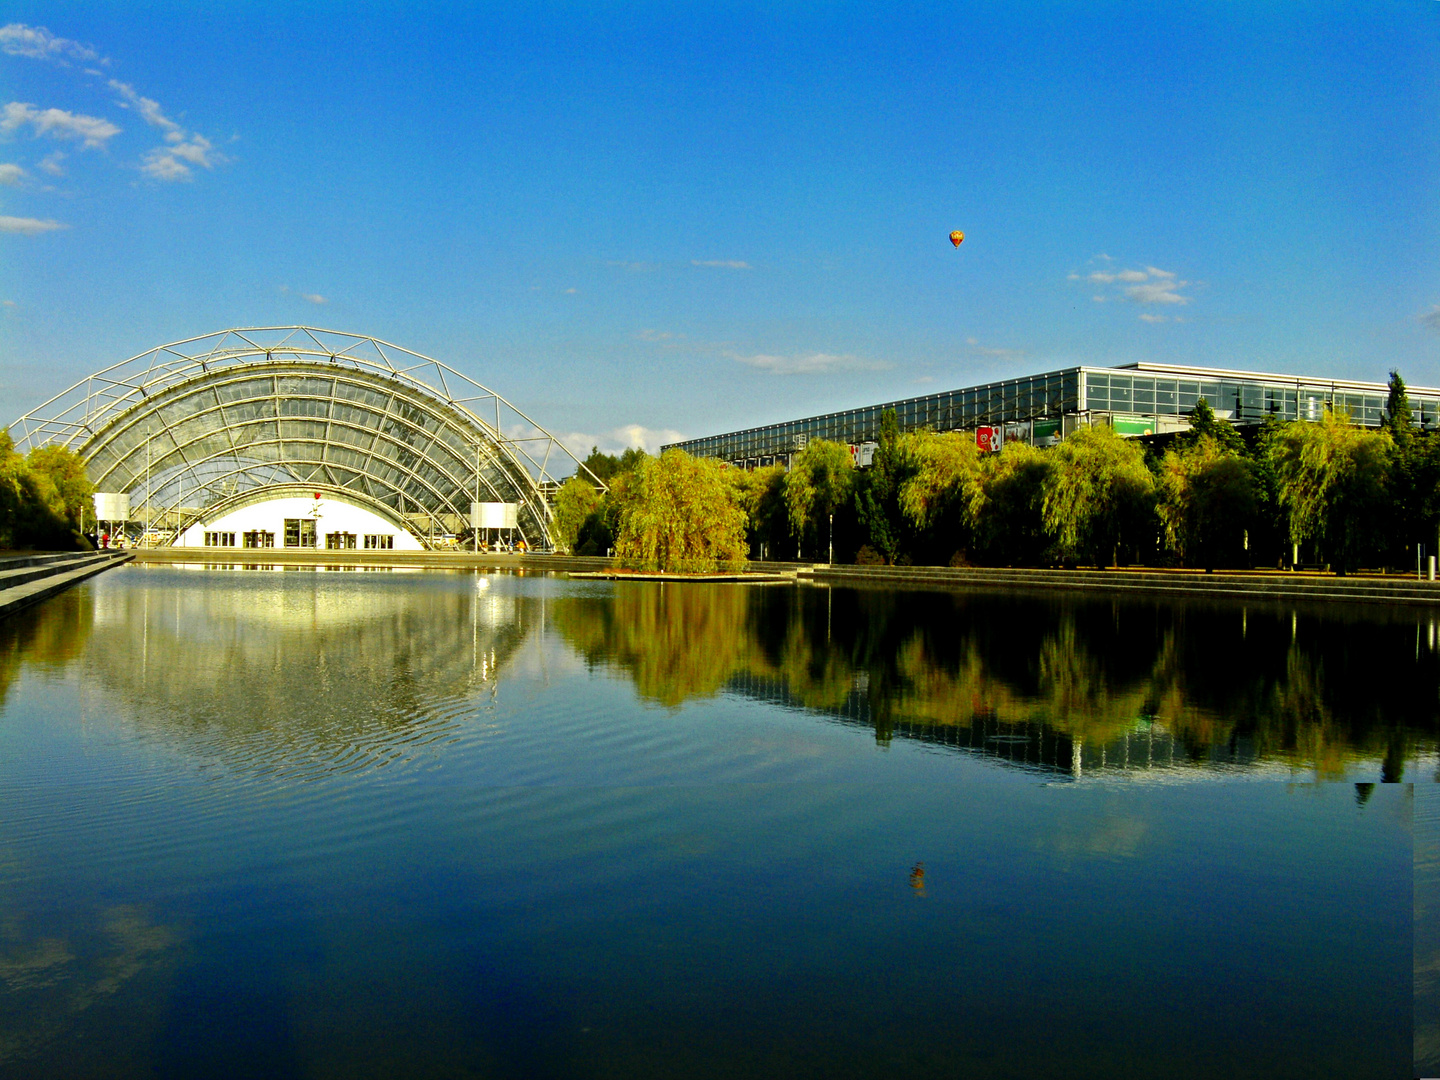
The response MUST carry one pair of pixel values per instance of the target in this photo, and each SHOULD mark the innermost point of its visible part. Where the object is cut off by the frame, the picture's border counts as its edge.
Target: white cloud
(314, 298)
(1146, 317)
(633, 267)
(809, 363)
(38, 43)
(995, 353)
(28, 226)
(1432, 318)
(571, 292)
(1148, 286)
(149, 108)
(655, 335)
(173, 162)
(1158, 293)
(722, 264)
(50, 163)
(93, 131)
(615, 441)
(182, 148)
(11, 175)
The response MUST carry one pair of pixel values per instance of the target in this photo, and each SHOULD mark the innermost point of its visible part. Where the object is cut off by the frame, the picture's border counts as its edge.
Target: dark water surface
(308, 823)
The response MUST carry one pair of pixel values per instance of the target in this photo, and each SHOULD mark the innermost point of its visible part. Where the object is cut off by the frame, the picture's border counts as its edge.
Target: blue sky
(637, 221)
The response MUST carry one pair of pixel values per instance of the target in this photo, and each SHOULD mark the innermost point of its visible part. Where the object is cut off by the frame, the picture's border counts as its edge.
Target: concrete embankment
(28, 579)
(1274, 585)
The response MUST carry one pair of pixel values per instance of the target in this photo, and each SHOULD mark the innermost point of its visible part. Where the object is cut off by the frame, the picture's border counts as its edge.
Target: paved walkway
(28, 579)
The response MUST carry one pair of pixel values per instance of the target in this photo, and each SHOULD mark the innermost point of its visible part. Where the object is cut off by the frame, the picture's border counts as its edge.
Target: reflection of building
(1034, 747)
(230, 440)
(1138, 399)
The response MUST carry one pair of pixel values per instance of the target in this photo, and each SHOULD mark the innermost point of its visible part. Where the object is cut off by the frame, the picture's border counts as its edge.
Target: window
(299, 532)
(339, 541)
(379, 541)
(258, 539)
(219, 539)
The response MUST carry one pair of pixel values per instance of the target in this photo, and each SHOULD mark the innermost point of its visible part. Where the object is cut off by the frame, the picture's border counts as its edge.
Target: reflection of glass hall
(1138, 399)
(297, 437)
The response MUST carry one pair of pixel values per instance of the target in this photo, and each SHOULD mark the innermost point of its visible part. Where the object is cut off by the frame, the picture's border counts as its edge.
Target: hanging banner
(988, 439)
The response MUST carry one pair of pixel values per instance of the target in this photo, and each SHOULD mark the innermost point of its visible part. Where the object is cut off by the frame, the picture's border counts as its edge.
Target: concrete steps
(28, 579)
(1254, 585)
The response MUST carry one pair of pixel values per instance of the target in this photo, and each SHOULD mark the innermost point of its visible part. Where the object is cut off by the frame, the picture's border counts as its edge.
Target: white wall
(335, 516)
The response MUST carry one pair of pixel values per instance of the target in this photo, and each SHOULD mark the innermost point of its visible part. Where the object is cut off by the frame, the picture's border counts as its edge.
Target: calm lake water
(309, 823)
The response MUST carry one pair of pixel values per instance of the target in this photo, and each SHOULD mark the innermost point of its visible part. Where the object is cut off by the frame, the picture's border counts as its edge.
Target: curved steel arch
(193, 424)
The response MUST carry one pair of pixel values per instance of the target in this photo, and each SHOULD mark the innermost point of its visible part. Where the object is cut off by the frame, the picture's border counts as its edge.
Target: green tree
(679, 513)
(65, 472)
(877, 495)
(1398, 419)
(1099, 495)
(1008, 510)
(1204, 424)
(1207, 501)
(941, 485)
(818, 483)
(761, 493)
(1332, 485)
(575, 502)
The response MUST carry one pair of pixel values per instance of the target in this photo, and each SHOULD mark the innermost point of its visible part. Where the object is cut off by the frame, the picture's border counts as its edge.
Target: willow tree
(761, 493)
(574, 503)
(1008, 510)
(1208, 498)
(818, 483)
(1332, 483)
(678, 513)
(939, 489)
(1098, 495)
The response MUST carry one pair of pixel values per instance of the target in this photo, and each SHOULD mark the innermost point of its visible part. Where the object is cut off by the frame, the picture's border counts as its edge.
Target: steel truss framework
(189, 428)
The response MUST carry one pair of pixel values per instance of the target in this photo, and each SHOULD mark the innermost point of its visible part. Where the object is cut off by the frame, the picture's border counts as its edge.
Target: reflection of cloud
(51, 980)
(1115, 837)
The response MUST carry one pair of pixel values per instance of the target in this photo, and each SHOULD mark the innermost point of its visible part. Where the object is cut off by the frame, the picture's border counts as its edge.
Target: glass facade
(1141, 390)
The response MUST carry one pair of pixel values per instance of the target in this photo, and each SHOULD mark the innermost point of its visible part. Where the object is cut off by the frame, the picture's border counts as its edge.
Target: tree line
(1324, 492)
(44, 496)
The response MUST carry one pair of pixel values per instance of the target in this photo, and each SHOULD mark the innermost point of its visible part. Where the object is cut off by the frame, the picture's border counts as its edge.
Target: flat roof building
(1137, 399)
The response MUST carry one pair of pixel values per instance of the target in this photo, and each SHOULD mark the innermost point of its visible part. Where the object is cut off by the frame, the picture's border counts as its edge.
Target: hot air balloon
(956, 237)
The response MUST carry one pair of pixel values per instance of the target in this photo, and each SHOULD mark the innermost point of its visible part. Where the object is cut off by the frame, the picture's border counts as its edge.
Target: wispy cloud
(93, 131)
(1147, 317)
(11, 175)
(633, 267)
(809, 363)
(655, 335)
(994, 352)
(38, 43)
(1431, 318)
(314, 298)
(50, 163)
(1150, 285)
(183, 149)
(28, 226)
(722, 264)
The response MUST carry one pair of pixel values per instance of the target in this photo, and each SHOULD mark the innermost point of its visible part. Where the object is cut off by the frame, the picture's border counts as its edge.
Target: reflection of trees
(297, 672)
(48, 635)
(1317, 687)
